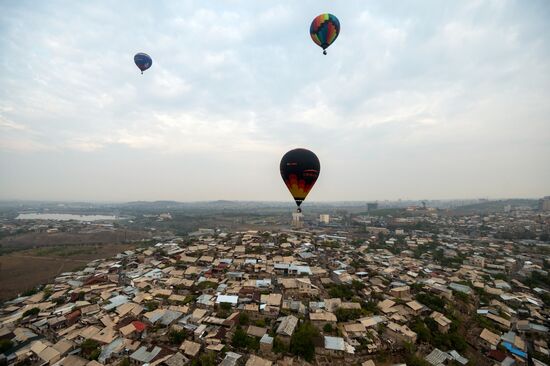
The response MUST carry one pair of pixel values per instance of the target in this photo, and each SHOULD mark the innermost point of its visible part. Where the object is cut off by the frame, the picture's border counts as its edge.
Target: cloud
(10, 125)
(404, 82)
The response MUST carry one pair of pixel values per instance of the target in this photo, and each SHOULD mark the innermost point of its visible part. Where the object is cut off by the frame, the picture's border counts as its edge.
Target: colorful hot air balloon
(299, 169)
(143, 61)
(324, 30)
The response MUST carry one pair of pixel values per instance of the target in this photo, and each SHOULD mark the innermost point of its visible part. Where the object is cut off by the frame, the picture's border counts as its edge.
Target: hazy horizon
(422, 99)
(313, 202)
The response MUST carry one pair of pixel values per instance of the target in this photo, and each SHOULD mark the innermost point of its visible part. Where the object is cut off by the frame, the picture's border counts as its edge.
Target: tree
(151, 305)
(327, 328)
(206, 284)
(33, 311)
(431, 301)
(341, 291)
(5, 344)
(177, 336)
(357, 285)
(344, 315)
(244, 319)
(303, 341)
(239, 339)
(206, 359)
(279, 346)
(90, 349)
(225, 306)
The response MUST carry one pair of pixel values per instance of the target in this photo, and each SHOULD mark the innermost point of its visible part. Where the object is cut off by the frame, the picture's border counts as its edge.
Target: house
(230, 359)
(143, 355)
(287, 327)
(337, 346)
(321, 318)
(254, 360)
(386, 306)
(190, 348)
(414, 307)
(255, 331)
(437, 357)
(355, 330)
(501, 322)
(488, 339)
(400, 333)
(266, 343)
(443, 323)
(402, 292)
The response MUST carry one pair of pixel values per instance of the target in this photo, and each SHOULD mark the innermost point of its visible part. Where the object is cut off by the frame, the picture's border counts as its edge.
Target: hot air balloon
(143, 61)
(324, 30)
(299, 169)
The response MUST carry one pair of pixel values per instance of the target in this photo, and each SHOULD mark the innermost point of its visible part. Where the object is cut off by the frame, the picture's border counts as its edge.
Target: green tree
(431, 301)
(206, 359)
(124, 362)
(244, 319)
(279, 346)
(341, 291)
(303, 341)
(33, 311)
(225, 306)
(177, 336)
(90, 349)
(207, 284)
(327, 328)
(151, 305)
(344, 315)
(239, 339)
(5, 344)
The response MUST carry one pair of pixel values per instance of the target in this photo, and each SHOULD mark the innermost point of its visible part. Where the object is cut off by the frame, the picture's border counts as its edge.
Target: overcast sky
(415, 99)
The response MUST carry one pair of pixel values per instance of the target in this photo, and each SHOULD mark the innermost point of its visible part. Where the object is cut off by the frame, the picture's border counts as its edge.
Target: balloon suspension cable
(142, 72)
(324, 52)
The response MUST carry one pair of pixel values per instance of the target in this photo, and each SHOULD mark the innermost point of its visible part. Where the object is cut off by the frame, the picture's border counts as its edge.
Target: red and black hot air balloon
(299, 169)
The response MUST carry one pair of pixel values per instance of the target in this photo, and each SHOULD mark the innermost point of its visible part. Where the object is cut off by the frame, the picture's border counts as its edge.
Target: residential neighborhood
(422, 289)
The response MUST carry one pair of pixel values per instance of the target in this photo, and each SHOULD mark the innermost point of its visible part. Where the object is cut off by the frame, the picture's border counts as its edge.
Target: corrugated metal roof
(232, 299)
(335, 343)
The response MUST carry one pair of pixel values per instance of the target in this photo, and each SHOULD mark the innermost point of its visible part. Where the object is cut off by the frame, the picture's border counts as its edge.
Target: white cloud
(403, 82)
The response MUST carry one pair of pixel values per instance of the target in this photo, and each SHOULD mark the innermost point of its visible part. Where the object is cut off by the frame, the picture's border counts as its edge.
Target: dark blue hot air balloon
(143, 61)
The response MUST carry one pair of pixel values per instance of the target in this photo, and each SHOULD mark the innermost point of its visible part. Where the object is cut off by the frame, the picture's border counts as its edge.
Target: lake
(64, 217)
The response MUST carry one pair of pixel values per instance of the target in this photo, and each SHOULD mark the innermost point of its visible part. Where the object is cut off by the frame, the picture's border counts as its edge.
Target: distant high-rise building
(544, 204)
(324, 218)
(297, 220)
(372, 206)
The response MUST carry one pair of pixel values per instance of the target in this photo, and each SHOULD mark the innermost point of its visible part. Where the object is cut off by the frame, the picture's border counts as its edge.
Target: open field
(23, 270)
(30, 240)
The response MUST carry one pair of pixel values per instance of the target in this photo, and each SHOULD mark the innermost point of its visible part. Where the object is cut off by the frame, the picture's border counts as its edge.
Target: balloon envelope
(324, 30)
(143, 61)
(299, 169)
